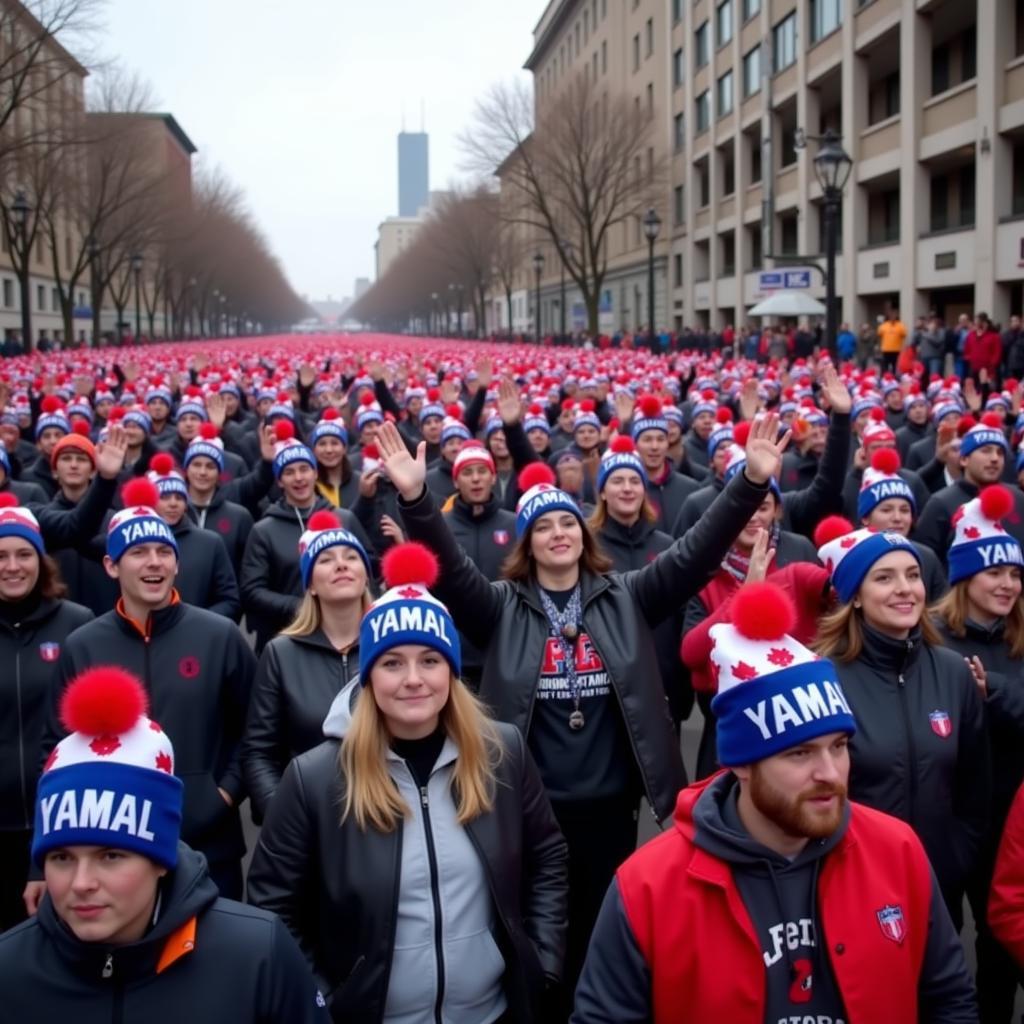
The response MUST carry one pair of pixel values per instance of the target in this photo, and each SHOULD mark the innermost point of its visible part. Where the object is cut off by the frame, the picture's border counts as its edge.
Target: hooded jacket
(206, 961)
(430, 913)
(921, 751)
(796, 937)
(297, 679)
(229, 521)
(205, 576)
(271, 580)
(619, 613)
(197, 670)
(29, 649)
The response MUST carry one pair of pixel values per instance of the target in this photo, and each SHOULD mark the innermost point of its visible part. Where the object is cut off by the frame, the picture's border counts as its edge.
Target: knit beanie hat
(539, 495)
(945, 407)
(281, 409)
(208, 443)
(81, 407)
(876, 430)
(536, 420)
(988, 431)
(882, 482)
(649, 416)
(621, 454)
(138, 522)
(407, 613)
(159, 392)
(330, 425)
(288, 450)
(773, 693)
(706, 401)
(432, 406)
(848, 554)
(165, 477)
(722, 433)
(51, 415)
(472, 453)
(16, 521)
(586, 416)
(323, 531)
(111, 781)
(453, 428)
(192, 405)
(369, 411)
(980, 541)
(75, 441)
(140, 418)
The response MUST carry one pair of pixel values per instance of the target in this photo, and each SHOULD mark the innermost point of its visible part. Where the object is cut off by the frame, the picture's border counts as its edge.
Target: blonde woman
(414, 854)
(302, 670)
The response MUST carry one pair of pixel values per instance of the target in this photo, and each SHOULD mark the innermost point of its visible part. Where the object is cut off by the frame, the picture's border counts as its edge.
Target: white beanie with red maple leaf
(773, 693)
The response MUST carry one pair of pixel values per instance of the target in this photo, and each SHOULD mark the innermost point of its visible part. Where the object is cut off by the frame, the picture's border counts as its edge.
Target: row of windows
(578, 37)
(9, 292)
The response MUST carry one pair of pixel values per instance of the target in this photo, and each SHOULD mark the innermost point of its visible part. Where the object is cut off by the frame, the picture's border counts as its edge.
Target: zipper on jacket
(908, 733)
(108, 967)
(21, 731)
(435, 893)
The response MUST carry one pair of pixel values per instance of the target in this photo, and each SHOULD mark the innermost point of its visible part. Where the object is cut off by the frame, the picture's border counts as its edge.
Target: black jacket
(270, 580)
(921, 750)
(29, 650)
(197, 669)
(668, 497)
(41, 474)
(205, 576)
(797, 471)
(439, 480)
(619, 612)
(909, 434)
(229, 521)
(804, 509)
(336, 887)
(296, 681)
(82, 569)
(697, 504)
(934, 527)
(244, 966)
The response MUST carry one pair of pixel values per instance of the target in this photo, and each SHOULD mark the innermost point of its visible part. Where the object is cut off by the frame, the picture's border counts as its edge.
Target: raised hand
(760, 558)
(368, 483)
(750, 400)
(110, 453)
(407, 474)
(838, 395)
(449, 392)
(624, 406)
(391, 529)
(764, 449)
(979, 675)
(216, 409)
(268, 442)
(484, 373)
(307, 375)
(509, 406)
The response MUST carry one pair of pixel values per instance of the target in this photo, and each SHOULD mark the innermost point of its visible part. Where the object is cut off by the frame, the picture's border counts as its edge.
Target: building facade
(413, 172)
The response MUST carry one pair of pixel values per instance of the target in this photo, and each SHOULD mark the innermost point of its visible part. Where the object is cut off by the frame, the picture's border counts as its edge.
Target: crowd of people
(440, 611)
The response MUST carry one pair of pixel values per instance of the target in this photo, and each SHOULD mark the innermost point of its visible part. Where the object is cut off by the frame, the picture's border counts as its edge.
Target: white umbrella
(789, 304)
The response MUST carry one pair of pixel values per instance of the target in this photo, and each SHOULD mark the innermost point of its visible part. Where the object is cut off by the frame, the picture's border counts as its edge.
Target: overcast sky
(300, 102)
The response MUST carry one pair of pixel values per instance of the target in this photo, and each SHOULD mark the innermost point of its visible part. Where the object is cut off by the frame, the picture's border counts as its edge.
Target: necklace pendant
(569, 631)
(577, 721)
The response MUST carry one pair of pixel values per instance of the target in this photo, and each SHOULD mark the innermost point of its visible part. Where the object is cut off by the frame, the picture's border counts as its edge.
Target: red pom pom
(284, 430)
(194, 391)
(103, 701)
(433, 394)
(411, 562)
(830, 528)
(568, 404)
(966, 422)
(80, 427)
(587, 405)
(741, 432)
(762, 611)
(886, 460)
(724, 415)
(708, 395)
(614, 424)
(622, 443)
(996, 502)
(208, 431)
(371, 451)
(8, 500)
(51, 403)
(140, 491)
(993, 420)
(454, 411)
(536, 409)
(283, 397)
(116, 414)
(161, 464)
(535, 473)
(650, 406)
(367, 398)
(330, 414)
(877, 414)
(325, 519)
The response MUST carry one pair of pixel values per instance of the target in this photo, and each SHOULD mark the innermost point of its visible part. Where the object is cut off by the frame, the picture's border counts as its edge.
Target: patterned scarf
(737, 564)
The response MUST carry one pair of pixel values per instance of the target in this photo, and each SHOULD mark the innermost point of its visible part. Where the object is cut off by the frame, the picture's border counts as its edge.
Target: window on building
(784, 40)
(703, 111)
(8, 292)
(604, 9)
(650, 97)
(826, 16)
(1018, 181)
(702, 261)
(586, 25)
(54, 299)
(1018, 40)
(650, 164)
(577, 38)
(677, 11)
(884, 98)
(636, 52)
(966, 187)
(752, 72)
(604, 57)
(884, 217)
(755, 162)
(677, 68)
(677, 270)
(952, 201)
(750, 8)
(649, 37)
(678, 132)
(723, 23)
(701, 46)
(955, 61)
(723, 94)
(727, 253)
(703, 183)
(754, 249)
(679, 205)
(727, 168)
(788, 233)
(40, 298)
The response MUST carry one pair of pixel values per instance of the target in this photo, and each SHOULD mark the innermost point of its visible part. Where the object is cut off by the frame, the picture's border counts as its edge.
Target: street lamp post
(433, 313)
(832, 168)
(94, 252)
(223, 320)
(137, 271)
(191, 305)
(538, 269)
(459, 293)
(21, 210)
(566, 247)
(652, 225)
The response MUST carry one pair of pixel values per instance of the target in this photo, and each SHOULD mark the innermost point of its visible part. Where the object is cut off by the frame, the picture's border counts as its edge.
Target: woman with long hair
(414, 854)
(981, 618)
(921, 751)
(336, 480)
(35, 620)
(303, 669)
(570, 656)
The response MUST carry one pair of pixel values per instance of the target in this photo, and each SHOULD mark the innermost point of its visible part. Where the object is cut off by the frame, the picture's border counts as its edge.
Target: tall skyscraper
(413, 173)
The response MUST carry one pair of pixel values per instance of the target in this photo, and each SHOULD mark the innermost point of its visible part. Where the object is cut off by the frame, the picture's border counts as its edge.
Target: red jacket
(1006, 900)
(983, 351)
(697, 939)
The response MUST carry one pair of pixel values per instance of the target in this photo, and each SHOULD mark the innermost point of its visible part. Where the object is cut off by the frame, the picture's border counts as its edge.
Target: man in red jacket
(773, 898)
(983, 349)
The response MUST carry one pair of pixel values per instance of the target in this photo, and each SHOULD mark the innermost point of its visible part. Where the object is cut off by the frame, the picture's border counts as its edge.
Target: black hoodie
(243, 965)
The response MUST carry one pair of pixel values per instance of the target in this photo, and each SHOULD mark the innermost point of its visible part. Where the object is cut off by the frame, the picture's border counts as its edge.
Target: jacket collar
(590, 587)
(465, 512)
(633, 536)
(160, 621)
(886, 655)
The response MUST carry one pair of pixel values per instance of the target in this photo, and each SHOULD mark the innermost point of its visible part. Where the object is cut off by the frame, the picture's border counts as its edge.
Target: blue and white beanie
(431, 409)
(211, 447)
(407, 613)
(159, 392)
(989, 431)
(881, 482)
(81, 407)
(541, 495)
(536, 420)
(454, 429)
(980, 540)
(17, 521)
(621, 454)
(323, 531)
(649, 415)
(493, 424)
(288, 452)
(722, 434)
(773, 693)
(55, 419)
(329, 426)
(111, 781)
(737, 460)
(140, 418)
(945, 407)
(192, 405)
(586, 416)
(848, 554)
(165, 477)
(138, 522)
(705, 402)
(371, 412)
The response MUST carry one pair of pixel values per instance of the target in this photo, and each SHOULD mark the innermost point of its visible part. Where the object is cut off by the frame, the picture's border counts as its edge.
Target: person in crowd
(932, 346)
(270, 580)
(131, 926)
(700, 500)
(303, 669)
(946, 415)
(336, 480)
(822, 908)
(454, 434)
(982, 619)
(159, 400)
(867, 346)
(892, 336)
(570, 658)
(983, 351)
(414, 854)
(537, 430)
(916, 425)
(51, 425)
(197, 669)
(800, 464)
(922, 750)
(1012, 343)
(703, 410)
(1006, 899)
(35, 621)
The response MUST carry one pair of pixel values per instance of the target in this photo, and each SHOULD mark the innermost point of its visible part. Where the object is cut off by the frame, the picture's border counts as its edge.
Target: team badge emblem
(892, 923)
(941, 724)
(49, 651)
(501, 537)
